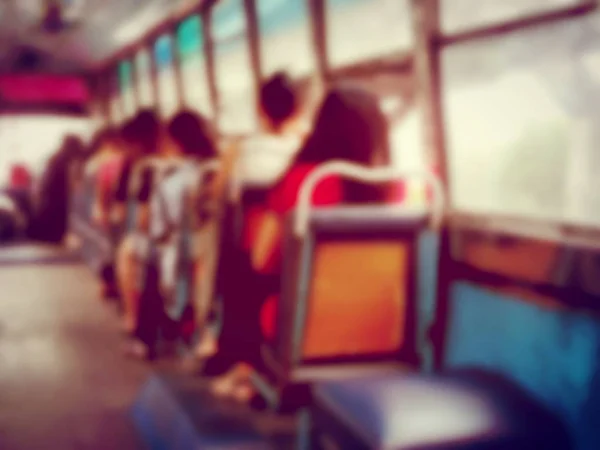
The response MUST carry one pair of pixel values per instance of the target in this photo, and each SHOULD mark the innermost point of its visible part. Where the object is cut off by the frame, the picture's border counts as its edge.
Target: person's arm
(268, 241)
(228, 162)
(121, 192)
(267, 244)
(101, 193)
(143, 198)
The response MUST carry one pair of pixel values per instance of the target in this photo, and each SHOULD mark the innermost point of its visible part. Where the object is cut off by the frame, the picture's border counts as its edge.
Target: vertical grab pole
(426, 26)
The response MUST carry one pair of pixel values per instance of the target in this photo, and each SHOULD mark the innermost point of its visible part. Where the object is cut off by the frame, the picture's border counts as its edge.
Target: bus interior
(461, 314)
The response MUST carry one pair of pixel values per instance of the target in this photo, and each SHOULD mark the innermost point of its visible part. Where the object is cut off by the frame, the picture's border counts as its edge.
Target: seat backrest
(350, 280)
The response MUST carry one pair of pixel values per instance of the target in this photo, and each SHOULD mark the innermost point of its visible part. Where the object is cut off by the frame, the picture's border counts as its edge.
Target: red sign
(43, 89)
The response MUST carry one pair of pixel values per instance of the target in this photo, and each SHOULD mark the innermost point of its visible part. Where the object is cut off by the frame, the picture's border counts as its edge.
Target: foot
(243, 393)
(207, 347)
(226, 385)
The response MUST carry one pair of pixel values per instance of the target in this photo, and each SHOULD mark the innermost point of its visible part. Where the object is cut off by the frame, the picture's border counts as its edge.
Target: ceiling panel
(97, 29)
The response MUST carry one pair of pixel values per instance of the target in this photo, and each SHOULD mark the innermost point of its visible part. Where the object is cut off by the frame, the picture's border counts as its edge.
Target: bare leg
(229, 384)
(126, 265)
(207, 346)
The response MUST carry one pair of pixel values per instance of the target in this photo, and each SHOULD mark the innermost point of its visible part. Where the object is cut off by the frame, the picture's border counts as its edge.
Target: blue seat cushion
(462, 410)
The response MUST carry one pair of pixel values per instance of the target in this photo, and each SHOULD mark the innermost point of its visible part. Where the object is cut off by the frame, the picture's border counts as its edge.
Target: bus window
(460, 15)
(234, 77)
(115, 102)
(34, 149)
(190, 45)
(522, 125)
(143, 74)
(168, 101)
(408, 153)
(365, 29)
(397, 101)
(126, 88)
(285, 37)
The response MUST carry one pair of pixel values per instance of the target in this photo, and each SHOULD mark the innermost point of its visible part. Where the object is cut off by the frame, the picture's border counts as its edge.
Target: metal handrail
(367, 175)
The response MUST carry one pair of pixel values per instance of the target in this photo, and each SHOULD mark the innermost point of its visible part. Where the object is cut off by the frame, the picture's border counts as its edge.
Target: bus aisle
(56, 345)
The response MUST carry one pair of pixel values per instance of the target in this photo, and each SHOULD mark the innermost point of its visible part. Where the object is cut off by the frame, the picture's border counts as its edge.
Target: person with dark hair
(349, 126)
(141, 138)
(264, 157)
(278, 100)
(191, 135)
(189, 149)
(184, 149)
(51, 220)
(110, 150)
(261, 159)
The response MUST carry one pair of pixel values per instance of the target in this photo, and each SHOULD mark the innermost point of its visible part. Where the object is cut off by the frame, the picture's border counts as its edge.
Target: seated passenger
(108, 171)
(98, 151)
(170, 191)
(176, 212)
(53, 201)
(349, 127)
(131, 198)
(262, 159)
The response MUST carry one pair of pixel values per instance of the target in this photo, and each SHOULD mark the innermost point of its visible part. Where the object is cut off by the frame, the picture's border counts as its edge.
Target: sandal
(243, 393)
(207, 347)
(227, 385)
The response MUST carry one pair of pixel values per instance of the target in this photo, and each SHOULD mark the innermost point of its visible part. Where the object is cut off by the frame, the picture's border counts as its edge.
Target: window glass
(285, 37)
(115, 105)
(168, 101)
(234, 77)
(144, 78)
(364, 29)
(190, 43)
(126, 88)
(460, 15)
(521, 122)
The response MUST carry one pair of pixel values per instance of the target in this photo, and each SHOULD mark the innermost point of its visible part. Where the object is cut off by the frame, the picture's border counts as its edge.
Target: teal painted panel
(125, 75)
(189, 37)
(554, 354)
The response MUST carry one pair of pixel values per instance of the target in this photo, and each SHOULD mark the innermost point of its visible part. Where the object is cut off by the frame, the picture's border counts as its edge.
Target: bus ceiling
(70, 36)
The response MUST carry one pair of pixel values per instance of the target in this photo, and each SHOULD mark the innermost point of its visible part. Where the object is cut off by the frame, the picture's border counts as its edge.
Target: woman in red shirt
(349, 126)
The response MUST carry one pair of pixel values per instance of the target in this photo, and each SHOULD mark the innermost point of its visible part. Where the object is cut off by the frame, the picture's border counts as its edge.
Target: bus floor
(63, 382)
